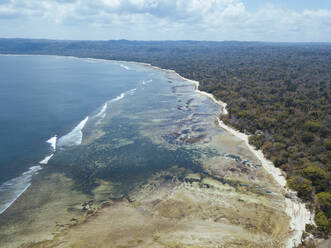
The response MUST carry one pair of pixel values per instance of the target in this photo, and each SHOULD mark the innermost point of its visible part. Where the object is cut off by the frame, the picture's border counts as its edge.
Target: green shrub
(307, 137)
(318, 177)
(327, 144)
(302, 185)
(314, 172)
(324, 201)
(256, 140)
(322, 222)
(312, 126)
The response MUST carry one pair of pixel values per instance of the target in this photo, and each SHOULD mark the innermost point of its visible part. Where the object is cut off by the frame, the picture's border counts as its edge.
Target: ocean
(45, 102)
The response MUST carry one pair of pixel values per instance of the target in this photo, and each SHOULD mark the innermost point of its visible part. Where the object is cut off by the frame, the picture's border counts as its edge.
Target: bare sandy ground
(44, 209)
(226, 206)
(195, 212)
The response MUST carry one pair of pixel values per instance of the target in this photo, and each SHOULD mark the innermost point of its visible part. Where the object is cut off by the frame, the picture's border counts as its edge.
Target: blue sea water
(131, 118)
(44, 99)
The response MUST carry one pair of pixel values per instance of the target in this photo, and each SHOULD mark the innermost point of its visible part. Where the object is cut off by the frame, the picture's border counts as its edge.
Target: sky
(243, 20)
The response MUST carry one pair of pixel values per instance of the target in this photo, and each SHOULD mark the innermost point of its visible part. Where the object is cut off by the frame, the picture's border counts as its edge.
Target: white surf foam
(102, 112)
(125, 67)
(117, 98)
(146, 82)
(74, 137)
(130, 92)
(52, 142)
(46, 159)
(90, 60)
(11, 190)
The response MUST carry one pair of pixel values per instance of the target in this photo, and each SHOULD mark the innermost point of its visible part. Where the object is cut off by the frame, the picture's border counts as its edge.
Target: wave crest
(11, 190)
(74, 137)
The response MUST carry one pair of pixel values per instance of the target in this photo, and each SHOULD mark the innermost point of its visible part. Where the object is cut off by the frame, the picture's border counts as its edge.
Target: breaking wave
(130, 92)
(102, 112)
(146, 82)
(125, 67)
(11, 190)
(52, 142)
(74, 137)
(117, 98)
(46, 159)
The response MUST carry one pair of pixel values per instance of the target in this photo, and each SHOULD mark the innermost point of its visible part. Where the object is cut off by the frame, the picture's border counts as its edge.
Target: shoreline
(295, 208)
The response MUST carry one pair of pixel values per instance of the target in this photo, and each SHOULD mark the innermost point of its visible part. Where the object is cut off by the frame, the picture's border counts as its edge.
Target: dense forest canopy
(277, 92)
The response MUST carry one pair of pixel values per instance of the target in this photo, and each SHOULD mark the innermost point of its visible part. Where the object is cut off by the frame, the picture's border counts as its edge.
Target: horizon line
(134, 40)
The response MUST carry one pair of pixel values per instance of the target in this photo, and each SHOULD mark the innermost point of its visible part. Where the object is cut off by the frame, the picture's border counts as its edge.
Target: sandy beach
(295, 208)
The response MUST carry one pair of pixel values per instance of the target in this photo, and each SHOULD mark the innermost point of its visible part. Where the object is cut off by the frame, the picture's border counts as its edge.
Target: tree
(256, 140)
(324, 201)
(302, 185)
(318, 177)
(322, 222)
(307, 137)
(312, 126)
(327, 144)
(313, 172)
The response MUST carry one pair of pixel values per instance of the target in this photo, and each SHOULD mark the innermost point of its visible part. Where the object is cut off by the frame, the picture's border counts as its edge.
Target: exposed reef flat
(216, 207)
(156, 173)
(44, 209)
(173, 210)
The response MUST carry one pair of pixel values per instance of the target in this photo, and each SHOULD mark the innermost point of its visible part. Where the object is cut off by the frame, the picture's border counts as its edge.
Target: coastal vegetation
(279, 93)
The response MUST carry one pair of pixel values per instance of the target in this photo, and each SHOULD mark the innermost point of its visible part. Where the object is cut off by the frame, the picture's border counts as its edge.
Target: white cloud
(169, 19)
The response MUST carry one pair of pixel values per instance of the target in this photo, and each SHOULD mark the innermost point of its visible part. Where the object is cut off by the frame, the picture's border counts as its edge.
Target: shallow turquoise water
(109, 120)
